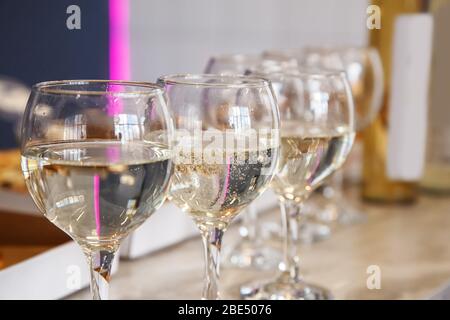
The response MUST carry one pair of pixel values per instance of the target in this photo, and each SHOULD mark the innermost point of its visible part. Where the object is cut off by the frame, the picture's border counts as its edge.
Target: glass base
(281, 289)
(247, 254)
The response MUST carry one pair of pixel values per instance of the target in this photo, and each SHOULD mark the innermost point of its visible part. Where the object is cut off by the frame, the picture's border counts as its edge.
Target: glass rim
(233, 81)
(286, 52)
(299, 51)
(303, 72)
(338, 48)
(57, 87)
(254, 59)
(236, 56)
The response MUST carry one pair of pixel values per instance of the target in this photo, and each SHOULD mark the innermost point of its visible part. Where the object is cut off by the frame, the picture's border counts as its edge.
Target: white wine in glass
(312, 157)
(66, 179)
(214, 193)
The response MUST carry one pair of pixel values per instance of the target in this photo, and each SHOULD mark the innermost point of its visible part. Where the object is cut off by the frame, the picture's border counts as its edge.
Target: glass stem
(212, 242)
(100, 263)
(291, 218)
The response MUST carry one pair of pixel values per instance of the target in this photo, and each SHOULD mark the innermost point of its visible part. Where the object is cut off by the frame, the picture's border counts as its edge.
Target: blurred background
(151, 38)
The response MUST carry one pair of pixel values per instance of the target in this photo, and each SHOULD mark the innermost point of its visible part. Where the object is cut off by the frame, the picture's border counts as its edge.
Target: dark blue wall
(35, 44)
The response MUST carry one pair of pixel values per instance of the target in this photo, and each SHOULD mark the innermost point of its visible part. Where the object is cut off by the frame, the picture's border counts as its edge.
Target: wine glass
(365, 74)
(226, 152)
(311, 230)
(317, 133)
(96, 156)
(249, 251)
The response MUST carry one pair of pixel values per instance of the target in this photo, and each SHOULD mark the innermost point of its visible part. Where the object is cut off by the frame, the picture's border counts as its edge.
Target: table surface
(410, 245)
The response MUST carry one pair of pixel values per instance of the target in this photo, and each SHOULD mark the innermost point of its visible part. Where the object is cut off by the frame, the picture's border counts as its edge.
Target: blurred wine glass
(249, 251)
(317, 131)
(274, 62)
(364, 71)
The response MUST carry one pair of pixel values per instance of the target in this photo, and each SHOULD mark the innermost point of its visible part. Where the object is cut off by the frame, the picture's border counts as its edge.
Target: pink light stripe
(113, 155)
(97, 203)
(119, 46)
(226, 183)
(119, 40)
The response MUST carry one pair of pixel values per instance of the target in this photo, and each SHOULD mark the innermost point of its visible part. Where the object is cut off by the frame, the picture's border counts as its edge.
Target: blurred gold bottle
(436, 176)
(376, 184)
